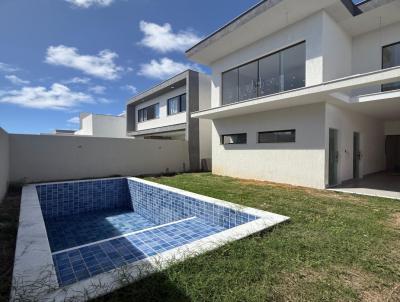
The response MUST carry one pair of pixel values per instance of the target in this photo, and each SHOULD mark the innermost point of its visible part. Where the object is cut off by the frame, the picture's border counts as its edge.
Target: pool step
(122, 235)
(84, 262)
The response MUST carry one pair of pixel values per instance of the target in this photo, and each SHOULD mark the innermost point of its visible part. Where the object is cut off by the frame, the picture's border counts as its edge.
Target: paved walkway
(384, 184)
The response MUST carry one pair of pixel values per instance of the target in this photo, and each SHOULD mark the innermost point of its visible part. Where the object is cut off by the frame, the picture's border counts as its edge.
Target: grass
(337, 247)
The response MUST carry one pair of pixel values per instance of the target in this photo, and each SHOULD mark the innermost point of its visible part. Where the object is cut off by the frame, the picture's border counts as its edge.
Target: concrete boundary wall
(38, 158)
(4, 162)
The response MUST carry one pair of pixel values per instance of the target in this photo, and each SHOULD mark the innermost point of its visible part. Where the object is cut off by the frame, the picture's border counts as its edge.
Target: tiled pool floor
(70, 231)
(82, 263)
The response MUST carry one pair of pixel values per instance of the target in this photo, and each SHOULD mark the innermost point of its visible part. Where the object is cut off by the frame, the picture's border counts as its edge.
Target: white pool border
(33, 258)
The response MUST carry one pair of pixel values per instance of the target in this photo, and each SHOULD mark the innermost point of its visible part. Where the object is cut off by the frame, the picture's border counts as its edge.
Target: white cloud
(130, 88)
(123, 113)
(89, 3)
(98, 89)
(16, 80)
(162, 38)
(101, 66)
(164, 68)
(7, 68)
(77, 80)
(56, 97)
(74, 120)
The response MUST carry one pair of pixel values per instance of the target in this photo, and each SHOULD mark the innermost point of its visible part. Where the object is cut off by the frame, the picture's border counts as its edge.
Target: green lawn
(336, 247)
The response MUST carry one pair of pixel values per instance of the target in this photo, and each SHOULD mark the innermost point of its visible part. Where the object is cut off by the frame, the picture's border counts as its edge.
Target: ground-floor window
(234, 139)
(280, 136)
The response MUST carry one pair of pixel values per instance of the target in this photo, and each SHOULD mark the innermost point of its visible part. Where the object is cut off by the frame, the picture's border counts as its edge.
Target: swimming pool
(86, 232)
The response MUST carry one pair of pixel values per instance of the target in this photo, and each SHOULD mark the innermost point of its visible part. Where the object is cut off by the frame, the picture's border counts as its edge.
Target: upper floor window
(177, 104)
(391, 58)
(281, 71)
(149, 113)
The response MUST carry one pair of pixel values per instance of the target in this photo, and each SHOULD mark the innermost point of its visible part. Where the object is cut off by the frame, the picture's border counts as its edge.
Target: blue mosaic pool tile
(85, 262)
(70, 231)
(162, 206)
(62, 199)
(82, 213)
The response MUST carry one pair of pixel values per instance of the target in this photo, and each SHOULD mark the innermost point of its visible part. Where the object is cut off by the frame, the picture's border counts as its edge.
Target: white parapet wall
(4, 162)
(38, 158)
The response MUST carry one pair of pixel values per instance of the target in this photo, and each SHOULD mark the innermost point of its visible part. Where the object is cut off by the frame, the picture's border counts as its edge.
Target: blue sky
(62, 57)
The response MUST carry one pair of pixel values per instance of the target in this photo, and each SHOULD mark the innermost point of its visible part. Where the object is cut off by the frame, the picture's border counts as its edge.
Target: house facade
(163, 112)
(305, 92)
(102, 125)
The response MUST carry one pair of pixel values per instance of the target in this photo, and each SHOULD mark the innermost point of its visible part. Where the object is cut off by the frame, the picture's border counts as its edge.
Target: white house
(163, 112)
(101, 125)
(305, 92)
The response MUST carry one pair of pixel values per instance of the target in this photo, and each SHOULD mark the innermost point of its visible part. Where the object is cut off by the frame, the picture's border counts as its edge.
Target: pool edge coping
(32, 222)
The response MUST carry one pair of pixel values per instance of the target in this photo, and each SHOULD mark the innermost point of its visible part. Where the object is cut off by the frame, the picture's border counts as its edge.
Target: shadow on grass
(9, 215)
(156, 287)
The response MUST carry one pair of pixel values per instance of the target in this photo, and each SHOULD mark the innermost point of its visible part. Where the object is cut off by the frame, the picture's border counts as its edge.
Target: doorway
(393, 153)
(333, 157)
(356, 155)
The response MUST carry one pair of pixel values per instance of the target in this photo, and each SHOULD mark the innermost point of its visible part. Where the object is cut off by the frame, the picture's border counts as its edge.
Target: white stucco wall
(86, 126)
(337, 50)
(372, 142)
(4, 162)
(100, 125)
(205, 125)
(164, 119)
(367, 51)
(109, 126)
(392, 128)
(36, 158)
(300, 163)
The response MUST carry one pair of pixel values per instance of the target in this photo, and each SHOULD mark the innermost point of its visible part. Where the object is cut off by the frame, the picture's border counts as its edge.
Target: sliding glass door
(391, 58)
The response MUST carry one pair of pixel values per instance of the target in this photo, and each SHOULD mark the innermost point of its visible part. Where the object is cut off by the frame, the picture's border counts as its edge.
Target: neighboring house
(163, 112)
(101, 125)
(305, 92)
(61, 132)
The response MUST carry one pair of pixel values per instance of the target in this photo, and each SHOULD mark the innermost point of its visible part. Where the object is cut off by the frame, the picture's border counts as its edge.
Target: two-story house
(305, 92)
(163, 112)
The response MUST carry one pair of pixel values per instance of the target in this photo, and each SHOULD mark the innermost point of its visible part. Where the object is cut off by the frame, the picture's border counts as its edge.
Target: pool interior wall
(96, 226)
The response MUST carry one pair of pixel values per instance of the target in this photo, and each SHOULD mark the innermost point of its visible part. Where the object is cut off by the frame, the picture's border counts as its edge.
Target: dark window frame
(179, 104)
(277, 131)
(229, 144)
(157, 116)
(258, 73)
(383, 47)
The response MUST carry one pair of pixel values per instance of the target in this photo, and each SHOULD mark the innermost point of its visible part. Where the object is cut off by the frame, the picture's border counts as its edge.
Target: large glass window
(234, 139)
(149, 113)
(293, 67)
(270, 81)
(248, 78)
(281, 136)
(391, 58)
(230, 86)
(281, 71)
(177, 104)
